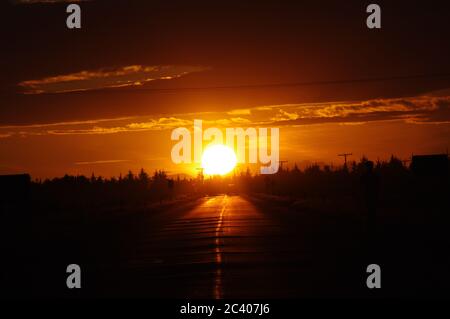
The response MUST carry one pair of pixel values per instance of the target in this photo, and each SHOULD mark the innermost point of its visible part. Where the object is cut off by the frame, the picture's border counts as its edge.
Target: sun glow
(218, 160)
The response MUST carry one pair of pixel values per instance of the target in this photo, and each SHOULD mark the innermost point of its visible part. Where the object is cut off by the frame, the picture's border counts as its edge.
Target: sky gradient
(105, 98)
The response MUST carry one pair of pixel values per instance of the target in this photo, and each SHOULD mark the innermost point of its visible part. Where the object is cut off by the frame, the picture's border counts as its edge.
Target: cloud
(132, 75)
(414, 110)
(71, 123)
(160, 124)
(163, 123)
(440, 114)
(224, 122)
(240, 112)
(284, 116)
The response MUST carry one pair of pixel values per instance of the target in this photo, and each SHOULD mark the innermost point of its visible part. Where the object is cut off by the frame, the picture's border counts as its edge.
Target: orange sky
(105, 98)
(308, 133)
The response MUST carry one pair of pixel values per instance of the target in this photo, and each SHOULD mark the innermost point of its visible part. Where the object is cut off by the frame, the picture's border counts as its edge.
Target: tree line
(315, 181)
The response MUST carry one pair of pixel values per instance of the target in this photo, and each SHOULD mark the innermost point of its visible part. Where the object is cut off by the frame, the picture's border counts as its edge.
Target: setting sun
(218, 160)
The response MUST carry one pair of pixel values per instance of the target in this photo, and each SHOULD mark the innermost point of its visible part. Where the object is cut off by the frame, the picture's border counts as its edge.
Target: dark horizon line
(321, 165)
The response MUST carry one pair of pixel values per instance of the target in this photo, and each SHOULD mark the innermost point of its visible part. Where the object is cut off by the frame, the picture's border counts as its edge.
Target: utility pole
(201, 173)
(345, 157)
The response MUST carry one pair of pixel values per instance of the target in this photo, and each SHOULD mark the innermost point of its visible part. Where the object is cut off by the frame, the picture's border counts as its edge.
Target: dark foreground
(226, 246)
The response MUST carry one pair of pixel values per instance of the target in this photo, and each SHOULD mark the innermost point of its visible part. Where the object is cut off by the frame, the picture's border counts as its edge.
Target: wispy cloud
(163, 123)
(240, 112)
(132, 75)
(415, 110)
(69, 123)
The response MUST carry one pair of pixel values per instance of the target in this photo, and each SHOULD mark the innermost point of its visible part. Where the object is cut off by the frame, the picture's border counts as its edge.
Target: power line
(306, 83)
(266, 85)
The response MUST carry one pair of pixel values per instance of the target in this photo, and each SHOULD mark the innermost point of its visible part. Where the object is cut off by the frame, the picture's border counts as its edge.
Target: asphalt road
(221, 247)
(224, 247)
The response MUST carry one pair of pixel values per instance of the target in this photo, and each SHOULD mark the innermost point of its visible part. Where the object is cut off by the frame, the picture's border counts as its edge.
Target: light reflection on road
(218, 279)
(214, 240)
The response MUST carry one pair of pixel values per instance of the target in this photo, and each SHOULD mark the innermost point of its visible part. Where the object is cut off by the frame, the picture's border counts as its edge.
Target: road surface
(224, 247)
(215, 247)
(219, 248)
